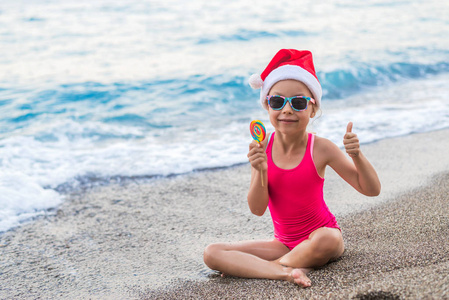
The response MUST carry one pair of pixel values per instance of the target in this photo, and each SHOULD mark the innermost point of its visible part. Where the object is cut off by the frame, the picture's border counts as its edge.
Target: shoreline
(145, 239)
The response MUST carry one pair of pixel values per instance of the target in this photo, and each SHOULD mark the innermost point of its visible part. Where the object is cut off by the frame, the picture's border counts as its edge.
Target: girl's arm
(258, 194)
(359, 173)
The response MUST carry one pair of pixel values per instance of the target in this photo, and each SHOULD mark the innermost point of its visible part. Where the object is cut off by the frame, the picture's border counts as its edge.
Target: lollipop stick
(261, 175)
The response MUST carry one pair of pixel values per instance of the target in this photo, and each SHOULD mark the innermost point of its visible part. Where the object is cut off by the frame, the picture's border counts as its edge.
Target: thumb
(349, 127)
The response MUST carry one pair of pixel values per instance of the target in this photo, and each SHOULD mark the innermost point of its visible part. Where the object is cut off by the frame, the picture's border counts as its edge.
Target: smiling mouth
(288, 121)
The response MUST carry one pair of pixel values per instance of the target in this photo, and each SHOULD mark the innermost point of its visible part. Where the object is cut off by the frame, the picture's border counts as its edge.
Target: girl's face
(287, 120)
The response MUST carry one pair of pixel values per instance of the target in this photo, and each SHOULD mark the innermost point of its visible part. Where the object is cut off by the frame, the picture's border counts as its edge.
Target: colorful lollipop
(258, 133)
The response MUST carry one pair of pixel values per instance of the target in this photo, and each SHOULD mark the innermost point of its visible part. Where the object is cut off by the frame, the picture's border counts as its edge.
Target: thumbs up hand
(351, 142)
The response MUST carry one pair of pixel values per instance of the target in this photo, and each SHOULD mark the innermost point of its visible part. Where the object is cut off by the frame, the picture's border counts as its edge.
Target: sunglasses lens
(276, 102)
(299, 103)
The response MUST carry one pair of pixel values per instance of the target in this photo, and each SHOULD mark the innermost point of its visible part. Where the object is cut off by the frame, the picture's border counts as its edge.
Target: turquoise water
(93, 92)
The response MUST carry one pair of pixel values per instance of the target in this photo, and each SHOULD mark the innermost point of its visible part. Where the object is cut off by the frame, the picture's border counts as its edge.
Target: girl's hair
(316, 110)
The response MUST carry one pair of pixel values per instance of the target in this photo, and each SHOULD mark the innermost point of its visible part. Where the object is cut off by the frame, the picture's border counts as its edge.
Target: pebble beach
(143, 239)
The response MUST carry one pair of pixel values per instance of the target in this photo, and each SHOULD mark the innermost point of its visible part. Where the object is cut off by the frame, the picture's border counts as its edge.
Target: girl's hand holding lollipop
(258, 133)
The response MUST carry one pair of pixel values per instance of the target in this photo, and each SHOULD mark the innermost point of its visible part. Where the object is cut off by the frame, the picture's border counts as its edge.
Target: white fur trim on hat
(291, 72)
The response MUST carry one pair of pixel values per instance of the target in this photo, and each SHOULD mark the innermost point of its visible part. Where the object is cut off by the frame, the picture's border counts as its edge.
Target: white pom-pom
(255, 81)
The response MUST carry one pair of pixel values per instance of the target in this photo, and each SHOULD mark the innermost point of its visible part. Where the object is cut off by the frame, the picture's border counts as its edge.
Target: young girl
(293, 163)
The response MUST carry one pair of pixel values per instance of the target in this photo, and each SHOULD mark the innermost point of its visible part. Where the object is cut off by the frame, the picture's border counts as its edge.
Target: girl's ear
(314, 109)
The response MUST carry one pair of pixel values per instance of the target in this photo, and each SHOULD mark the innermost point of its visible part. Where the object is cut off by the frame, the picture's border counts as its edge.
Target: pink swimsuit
(296, 202)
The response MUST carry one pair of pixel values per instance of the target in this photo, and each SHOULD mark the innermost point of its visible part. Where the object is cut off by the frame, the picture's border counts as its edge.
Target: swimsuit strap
(312, 140)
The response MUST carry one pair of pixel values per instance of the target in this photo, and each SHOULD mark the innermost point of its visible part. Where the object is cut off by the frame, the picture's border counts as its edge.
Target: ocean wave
(154, 104)
(180, 102)
(336, 83)
(343, 82)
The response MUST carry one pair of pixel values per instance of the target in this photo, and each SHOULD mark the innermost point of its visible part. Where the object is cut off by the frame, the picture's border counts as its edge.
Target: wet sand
(145, 239)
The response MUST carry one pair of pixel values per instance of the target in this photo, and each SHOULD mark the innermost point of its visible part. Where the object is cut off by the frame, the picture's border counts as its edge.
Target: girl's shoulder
(322, 142)
(324, 147)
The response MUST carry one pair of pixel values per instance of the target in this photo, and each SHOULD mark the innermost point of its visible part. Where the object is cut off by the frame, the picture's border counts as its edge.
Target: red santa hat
(288, 64)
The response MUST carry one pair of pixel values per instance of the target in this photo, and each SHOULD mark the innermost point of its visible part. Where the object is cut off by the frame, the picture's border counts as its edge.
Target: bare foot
(300, 278)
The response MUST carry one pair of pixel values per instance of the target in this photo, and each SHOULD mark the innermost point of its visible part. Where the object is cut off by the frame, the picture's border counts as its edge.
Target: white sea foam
(21, 198)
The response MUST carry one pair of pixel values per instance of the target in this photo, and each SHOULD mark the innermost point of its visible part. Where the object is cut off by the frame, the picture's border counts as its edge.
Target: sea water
(100, 91)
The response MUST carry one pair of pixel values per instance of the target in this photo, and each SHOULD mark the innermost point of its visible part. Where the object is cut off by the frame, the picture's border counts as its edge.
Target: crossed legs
(273, 260)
